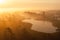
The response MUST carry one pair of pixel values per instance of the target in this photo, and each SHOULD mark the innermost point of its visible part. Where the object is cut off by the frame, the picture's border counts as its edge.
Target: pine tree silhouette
(8, 34)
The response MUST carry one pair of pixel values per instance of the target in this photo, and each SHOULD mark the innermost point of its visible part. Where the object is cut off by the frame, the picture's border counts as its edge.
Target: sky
(30, 4)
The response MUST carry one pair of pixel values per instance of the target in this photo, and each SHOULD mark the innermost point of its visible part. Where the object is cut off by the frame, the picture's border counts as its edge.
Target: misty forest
(30, 25)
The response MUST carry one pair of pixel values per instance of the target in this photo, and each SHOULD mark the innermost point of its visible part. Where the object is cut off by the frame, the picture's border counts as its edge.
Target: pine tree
(8, 34)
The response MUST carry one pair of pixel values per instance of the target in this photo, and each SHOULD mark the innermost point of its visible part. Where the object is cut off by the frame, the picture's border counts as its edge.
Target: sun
(2, 1)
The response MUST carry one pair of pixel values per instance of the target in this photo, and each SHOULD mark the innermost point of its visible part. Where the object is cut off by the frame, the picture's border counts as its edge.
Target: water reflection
(41, 26)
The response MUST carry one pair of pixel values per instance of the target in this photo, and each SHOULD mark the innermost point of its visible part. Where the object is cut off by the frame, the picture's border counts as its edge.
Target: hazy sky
(31, 4)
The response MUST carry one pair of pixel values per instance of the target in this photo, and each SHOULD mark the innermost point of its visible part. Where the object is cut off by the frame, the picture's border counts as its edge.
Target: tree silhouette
(8, 34)
(56, 23)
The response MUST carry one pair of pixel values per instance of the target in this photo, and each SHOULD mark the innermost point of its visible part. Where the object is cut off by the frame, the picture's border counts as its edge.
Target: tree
(8, 34)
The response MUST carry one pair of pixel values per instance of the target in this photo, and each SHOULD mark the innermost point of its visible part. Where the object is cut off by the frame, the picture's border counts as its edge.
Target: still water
(41, 26)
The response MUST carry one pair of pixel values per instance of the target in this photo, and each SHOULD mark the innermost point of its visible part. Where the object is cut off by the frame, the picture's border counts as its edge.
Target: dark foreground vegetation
(25, 33)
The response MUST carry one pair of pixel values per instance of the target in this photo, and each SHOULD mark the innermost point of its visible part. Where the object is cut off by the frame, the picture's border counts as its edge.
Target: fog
(41, 26)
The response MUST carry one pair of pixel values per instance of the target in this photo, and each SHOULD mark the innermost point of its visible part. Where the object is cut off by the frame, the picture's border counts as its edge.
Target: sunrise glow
(29, 5)
(2, 1)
